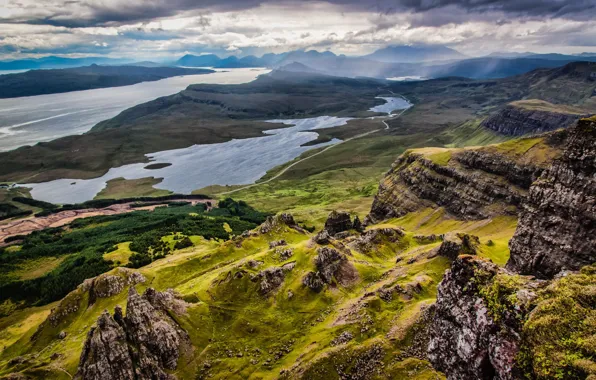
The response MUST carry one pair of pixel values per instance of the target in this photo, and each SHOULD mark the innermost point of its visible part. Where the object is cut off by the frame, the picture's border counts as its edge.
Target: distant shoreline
(58, 81)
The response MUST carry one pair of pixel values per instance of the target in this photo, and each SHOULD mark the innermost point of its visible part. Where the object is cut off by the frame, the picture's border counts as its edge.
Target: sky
(163, 29)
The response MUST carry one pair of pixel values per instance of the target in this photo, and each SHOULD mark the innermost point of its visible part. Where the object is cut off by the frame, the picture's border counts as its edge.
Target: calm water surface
(231, 163)
(29, 120)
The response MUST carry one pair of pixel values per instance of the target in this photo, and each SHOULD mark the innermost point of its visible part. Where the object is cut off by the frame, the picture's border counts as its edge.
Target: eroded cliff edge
(535, 318)
(471, 183)
(533, 117)
(557, 227)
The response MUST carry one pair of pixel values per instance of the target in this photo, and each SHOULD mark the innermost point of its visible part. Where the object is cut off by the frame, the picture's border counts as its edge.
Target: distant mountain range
(392, 61)
(409, 54)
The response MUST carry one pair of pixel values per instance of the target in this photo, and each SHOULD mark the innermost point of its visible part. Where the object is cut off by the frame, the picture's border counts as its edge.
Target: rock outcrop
(557, 226)
(470, 337)
(141, 345)
(473, 183)
(338, 222)
(454, 245)
(275, 224)
(331, 266)
(102, 286)
(490, 323)
(271, 278)
(369, 240)
(516, 120)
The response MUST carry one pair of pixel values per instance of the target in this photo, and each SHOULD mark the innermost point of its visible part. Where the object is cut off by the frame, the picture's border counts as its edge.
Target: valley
(361, 242)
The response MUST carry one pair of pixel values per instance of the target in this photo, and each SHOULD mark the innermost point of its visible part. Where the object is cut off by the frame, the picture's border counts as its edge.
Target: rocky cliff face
(466, 342)
(519, 121)
(493, 323)
(144, 344)
(490, 323)
(557, 227)
(469, 183)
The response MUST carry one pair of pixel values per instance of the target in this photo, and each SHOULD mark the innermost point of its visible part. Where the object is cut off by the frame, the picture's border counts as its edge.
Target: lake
(230, 163)
(32, 119)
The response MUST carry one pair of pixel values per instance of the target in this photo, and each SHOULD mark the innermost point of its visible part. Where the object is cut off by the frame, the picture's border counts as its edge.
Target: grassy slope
(239, 334)
(230, 316)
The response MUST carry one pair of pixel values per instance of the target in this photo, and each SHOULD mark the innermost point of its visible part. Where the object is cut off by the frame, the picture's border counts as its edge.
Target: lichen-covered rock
(370, 239)
(271, 278)
(322, 237)
(285, 254)
(276, 224)
(426, 239)
(343, 338)
(557, 226)
(277, 243)
(337, 222)
(454, 245)
(105, 354)
(141, 345)
(332, 265)
(476, 329)
(313, 281)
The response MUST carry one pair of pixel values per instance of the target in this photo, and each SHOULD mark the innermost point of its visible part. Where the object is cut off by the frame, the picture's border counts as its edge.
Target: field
(126, 188)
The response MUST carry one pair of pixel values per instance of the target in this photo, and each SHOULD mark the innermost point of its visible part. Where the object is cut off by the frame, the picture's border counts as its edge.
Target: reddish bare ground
(26, 226)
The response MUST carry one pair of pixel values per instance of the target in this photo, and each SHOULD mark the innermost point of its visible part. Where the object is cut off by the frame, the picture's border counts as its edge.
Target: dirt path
(284, 170)
(62, 218)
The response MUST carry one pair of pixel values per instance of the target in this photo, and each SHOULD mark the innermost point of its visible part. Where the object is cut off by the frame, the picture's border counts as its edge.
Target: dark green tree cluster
(87, 240)
(8, 210)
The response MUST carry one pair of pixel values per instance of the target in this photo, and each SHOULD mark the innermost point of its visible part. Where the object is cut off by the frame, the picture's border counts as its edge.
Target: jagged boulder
(105, 354)
(284, 254)
(271, 278)
(331, 265)
(277, 222)
(328, 262)
(314, 281)
(322, 238)
(357, 224)
(557, 225)
(141, 345)
(338, 221)
(370, 239)
(470, 337)
(454, 245)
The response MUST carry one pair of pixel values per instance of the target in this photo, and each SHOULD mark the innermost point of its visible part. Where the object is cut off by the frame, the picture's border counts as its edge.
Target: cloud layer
(160, 28)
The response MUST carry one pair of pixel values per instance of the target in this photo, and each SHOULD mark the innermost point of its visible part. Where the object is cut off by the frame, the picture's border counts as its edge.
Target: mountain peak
(415, 53)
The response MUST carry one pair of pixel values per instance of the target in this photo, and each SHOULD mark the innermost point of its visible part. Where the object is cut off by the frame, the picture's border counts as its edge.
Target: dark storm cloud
(100, 13)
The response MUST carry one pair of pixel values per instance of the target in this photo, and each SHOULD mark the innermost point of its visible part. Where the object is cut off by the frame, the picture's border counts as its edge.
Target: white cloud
(287, 26)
